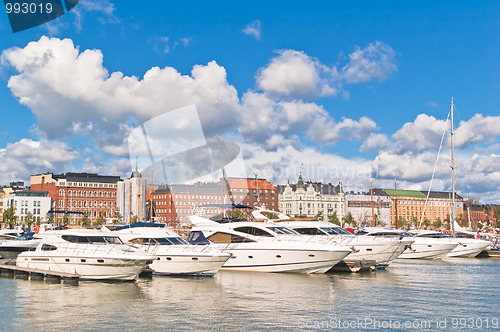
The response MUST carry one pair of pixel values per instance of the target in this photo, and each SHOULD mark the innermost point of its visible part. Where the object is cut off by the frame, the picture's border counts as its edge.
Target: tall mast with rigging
(452, 221)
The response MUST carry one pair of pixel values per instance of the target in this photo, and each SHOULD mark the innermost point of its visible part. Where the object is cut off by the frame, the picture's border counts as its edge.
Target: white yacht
(90, 254)
(429, 245)
(10, 249)
(267, 247)
(174, 255)
(468, 245)
(379, 251)
(405, 240)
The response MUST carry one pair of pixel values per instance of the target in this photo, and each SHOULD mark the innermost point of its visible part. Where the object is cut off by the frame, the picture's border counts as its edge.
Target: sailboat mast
(452, 222)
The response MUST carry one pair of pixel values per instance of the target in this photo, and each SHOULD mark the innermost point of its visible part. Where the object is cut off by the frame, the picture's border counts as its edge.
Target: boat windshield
(171, 241)
(92, 239)
(282, 230)
(433, 235)
(335, 230)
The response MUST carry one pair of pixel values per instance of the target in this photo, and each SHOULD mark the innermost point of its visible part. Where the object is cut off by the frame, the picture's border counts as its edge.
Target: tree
(28, 220)
(319, 216)
(349, 220)
(9, 216)
(99, 221)
(334, 219)
(117, 217)
(426, 222)
(377, 219)
(65, 219)
(237, 214)
(134, 219)
(401, 222)
(437, 223)
(50, 218)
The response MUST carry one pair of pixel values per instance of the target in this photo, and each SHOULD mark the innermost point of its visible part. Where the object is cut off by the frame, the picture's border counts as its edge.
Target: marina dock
(7, 269)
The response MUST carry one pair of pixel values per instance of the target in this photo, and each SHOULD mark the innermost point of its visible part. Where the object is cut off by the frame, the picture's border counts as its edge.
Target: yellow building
(411, 204)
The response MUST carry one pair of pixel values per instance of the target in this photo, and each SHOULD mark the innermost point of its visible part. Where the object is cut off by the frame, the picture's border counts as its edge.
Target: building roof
(405, 193)
(87, 177)
(251, 184)
(321, 188)
(419, 194)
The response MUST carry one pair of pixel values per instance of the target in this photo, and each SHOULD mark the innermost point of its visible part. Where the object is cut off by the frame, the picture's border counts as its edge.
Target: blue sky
(348, 90)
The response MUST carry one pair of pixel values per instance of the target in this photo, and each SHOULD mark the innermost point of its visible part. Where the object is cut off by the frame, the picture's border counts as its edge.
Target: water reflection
(408, 290)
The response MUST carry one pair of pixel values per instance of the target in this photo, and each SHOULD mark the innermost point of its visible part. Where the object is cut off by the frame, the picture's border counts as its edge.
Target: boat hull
(279, 260)
(469, 248)
(428, 250)
(196, 265)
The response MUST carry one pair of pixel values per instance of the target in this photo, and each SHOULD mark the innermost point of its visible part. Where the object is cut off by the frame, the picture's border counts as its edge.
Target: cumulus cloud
(328, 131)
(63, 86)
(21, 159)
(375, 61)
(422, 134)
(293, 73)
(253, 29)
(286, 163)
(264, 117)
(375, 142)
(477, 129)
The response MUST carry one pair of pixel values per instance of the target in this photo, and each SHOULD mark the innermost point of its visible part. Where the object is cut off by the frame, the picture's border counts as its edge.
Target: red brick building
(254, 192)
(88, 193)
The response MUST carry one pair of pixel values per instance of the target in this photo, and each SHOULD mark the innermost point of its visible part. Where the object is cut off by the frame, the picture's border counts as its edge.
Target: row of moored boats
(264, 244)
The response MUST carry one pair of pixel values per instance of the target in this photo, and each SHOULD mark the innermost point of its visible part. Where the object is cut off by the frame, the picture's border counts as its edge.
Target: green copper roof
(405, 193)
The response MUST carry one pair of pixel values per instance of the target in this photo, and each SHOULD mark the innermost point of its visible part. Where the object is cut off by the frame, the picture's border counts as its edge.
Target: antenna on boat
(452, 222)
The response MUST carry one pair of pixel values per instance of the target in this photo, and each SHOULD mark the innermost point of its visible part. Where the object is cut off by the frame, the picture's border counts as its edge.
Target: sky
(351, 91)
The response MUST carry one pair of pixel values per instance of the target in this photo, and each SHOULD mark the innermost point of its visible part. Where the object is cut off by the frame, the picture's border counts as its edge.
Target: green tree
(377, 219)
(319, 216)
(9, 216)
(28, 220)
(65, 219)
(237, 214)
(134, 219)
(117, 217)
(334, 219)
(437, 223)
(50, 218)
(348, 219)
(99, 221)
(426, 222)
(401, 222)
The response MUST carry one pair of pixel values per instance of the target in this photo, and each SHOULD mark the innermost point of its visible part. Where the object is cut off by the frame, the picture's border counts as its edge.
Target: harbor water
(450, 294)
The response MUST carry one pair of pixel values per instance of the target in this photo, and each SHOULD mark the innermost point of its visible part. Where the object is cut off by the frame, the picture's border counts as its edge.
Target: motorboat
(10, 249)
(267, 246)
(88, 254)
(429, 244)
(174, 255)
(468, 245)
(405, 240)
(369, 251)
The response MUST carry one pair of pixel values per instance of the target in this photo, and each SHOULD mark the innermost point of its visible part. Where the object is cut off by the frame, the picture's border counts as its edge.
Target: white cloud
(422, 134)
(376, 61)
(477, 129)
(253, 29)
(293, 73)
(263, 117)
(94, 6)
(328, 131)
(375, 142)
(62, 86)
(286, 163)
(26, 157)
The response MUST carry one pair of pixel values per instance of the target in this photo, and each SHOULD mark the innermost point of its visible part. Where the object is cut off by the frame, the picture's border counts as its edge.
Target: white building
(360, 207)
(131, 198)
(308, 199)
(38, 203)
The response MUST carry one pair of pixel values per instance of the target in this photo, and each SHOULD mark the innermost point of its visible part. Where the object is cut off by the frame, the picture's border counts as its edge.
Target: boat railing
(105, 248)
